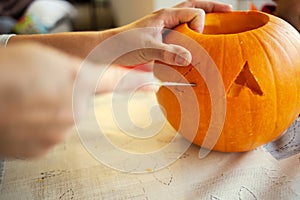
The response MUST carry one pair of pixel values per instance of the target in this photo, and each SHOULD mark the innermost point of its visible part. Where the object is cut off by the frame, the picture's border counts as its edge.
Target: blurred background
(48, 16)
(102, 14)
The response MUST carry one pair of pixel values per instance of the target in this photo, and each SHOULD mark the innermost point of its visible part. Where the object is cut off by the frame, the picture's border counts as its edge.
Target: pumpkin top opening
(234, 22)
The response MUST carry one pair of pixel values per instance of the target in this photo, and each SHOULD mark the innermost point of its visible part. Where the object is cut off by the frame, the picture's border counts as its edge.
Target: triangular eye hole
(244, 79)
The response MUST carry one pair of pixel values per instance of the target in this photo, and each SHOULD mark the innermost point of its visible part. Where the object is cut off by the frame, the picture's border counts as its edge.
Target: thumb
(169, 54)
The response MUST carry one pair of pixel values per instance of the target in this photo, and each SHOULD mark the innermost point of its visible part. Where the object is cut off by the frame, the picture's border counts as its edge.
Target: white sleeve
(4, 39)
(1, 171)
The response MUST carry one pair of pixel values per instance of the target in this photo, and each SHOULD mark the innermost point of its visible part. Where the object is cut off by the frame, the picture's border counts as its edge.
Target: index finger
(207, 6)
(175, 16)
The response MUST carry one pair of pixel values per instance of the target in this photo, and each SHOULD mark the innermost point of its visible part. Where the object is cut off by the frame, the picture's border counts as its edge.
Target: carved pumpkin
(258, 57)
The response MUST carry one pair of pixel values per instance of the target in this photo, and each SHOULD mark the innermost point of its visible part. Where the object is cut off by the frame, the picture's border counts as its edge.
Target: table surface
(72, 171)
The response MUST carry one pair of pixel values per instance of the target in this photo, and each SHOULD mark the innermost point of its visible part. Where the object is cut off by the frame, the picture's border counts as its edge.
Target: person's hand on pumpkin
(82, 43)
(154, 25)
(207, 6)
(36, 88)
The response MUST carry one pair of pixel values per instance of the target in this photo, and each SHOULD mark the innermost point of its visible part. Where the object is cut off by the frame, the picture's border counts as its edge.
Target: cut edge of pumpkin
(216, 24)
(245, 79)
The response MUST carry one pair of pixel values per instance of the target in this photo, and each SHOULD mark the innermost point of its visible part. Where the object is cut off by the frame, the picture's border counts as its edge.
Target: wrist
(103, 35)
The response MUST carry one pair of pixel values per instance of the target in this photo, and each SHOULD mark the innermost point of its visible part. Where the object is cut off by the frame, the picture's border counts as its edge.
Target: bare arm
(75, 43)
(36, 89)
(80, 44)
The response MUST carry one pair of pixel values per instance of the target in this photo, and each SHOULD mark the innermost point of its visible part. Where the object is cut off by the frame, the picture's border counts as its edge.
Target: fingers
(175, 16)
(207, 6)
(167, 53)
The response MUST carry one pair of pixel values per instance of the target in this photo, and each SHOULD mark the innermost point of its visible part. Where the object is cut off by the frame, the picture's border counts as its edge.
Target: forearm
(79, 44)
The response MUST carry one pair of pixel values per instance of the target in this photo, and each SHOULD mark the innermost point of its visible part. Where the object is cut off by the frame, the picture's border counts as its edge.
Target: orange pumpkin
(258, 57)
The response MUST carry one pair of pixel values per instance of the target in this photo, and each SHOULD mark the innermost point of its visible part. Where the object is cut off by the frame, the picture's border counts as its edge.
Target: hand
(36, 96)
(36, 85)
(192, 12)
(207, 6)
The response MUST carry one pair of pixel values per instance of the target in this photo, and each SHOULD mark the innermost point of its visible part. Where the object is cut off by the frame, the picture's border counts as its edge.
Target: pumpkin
(258, 58)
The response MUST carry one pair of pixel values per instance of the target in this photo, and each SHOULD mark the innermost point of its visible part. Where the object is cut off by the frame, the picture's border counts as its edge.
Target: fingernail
(182, 59)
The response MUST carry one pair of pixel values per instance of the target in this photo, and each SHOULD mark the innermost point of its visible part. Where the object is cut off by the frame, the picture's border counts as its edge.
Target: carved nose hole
(245, 79)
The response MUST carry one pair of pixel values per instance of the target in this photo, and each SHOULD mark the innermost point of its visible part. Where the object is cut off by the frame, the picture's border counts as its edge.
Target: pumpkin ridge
(279, 44)
(287, 56)
(269, 60)
(242, 56)
(278, 23)
(294, 47)
(283, 35)
(222, 55)
(251, 36)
